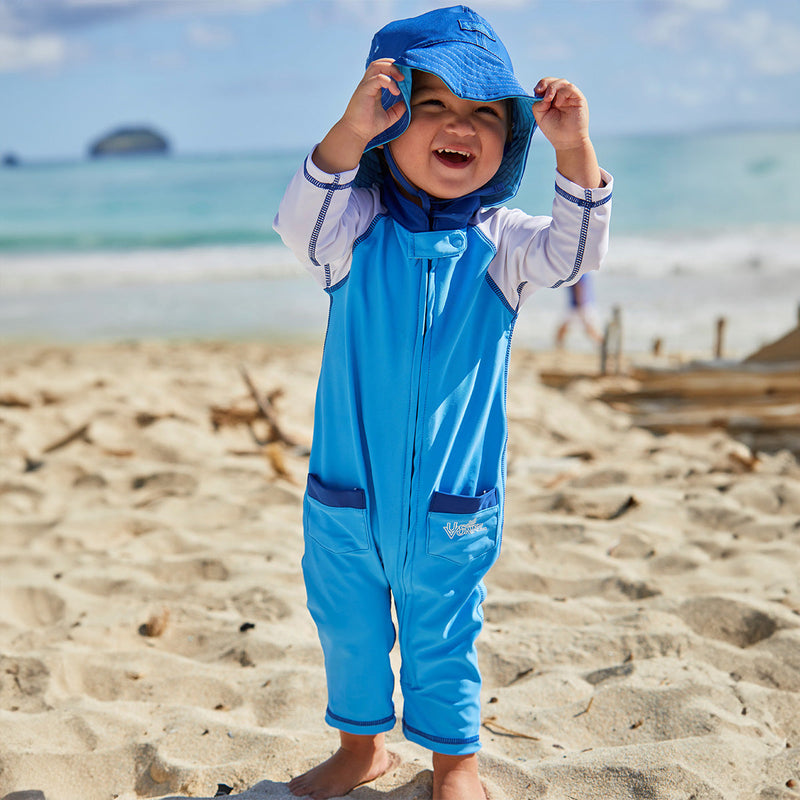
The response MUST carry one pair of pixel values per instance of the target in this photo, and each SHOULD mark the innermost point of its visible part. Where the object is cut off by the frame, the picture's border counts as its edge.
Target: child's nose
(460, 123)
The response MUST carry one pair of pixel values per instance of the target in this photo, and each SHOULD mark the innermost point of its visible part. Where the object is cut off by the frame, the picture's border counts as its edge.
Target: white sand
(642, 634)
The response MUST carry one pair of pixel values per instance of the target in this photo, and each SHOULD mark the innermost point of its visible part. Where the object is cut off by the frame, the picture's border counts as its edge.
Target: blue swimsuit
(406, 480)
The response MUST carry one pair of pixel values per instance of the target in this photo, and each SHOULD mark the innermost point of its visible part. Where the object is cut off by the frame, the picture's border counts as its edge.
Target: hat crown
(454, 24)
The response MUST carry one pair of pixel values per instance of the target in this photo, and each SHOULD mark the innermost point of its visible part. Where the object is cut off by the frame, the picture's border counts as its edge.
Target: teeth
(457, 152)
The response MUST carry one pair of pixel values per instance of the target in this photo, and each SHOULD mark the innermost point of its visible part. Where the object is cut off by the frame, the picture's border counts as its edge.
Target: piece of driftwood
(491, 724)
(230, 417)
(757, 403)
(72, 436)
(265, 406)
(711, 382)
(276, 441)
(13, 401)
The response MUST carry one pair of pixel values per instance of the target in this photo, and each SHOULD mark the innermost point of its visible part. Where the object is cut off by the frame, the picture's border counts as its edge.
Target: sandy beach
(642, 635)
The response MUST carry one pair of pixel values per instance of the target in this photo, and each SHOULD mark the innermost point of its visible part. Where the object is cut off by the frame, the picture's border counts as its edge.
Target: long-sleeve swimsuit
(407, 470)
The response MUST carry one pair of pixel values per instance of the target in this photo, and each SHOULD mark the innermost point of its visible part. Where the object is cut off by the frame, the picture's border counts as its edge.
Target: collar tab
(436, 244)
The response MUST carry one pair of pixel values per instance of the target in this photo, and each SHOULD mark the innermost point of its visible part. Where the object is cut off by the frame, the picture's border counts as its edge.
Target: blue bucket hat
(458, 46)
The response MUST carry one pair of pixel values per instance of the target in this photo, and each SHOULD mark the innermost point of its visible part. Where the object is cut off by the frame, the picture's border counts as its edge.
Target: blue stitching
(439, 739)
(332, 289)
(585, 203)
(587, 206)
(335, 185)
(489, 279)
(369, 230)
(499, 292)
(519, 295)
(384, 721)
(312, 244)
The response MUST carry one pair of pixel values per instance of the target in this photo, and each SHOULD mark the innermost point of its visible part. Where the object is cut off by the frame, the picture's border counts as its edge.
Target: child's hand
(365, 116)
(562, 114)
(563, 117)
(363, 119)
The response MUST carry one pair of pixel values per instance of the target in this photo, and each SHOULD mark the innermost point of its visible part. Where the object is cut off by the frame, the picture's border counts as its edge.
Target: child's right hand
(363, 119)
(365, 114)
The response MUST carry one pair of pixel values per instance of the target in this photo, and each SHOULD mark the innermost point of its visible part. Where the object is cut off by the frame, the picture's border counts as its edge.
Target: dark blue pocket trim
(458, 504)
(336, 498)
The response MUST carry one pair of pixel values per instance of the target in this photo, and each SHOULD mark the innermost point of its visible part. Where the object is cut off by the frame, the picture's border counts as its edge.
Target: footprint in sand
(727, 620)
(31, 606)
(23, 683)
(17, 498)
(260, 604)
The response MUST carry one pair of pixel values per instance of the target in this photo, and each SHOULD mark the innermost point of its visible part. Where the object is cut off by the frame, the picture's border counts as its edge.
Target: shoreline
(642, 625)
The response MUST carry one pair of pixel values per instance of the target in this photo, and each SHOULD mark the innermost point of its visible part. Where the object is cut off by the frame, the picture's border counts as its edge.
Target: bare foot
(456, 778)
(360, 759)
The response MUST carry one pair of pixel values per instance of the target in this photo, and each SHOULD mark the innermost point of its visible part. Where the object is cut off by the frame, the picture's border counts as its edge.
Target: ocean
(704, 226)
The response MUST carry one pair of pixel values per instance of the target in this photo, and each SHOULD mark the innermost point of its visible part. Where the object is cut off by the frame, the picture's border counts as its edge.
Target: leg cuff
(439, 744)
(366, 728)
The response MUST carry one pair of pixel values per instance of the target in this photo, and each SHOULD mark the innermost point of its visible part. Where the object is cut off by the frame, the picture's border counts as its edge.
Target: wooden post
(612, 342)
(719, 339)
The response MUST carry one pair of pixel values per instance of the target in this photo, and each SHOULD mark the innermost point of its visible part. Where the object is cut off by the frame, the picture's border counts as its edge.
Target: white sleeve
(537, 252)
(321, 216)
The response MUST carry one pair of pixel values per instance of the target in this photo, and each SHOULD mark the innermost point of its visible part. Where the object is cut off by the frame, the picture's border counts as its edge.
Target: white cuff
(339, 180)
(579, 192)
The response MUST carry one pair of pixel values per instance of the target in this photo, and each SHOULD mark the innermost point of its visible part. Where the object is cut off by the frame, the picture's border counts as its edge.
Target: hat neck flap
(416, 210)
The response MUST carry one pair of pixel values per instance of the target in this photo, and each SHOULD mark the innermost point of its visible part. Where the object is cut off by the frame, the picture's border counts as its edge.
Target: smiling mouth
(454, 158)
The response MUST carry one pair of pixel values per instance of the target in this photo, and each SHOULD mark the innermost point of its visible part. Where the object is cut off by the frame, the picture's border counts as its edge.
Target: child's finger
(385, 66)
(540, 90)
(388, 82)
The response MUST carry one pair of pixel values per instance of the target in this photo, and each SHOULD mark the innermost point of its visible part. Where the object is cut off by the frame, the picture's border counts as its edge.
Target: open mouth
(454, 158)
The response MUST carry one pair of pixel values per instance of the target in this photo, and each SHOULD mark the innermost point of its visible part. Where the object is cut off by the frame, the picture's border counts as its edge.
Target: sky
(219, 76)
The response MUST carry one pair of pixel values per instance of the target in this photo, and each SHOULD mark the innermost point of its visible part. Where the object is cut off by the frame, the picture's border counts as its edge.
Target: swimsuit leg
(443, 617)
(350, 602)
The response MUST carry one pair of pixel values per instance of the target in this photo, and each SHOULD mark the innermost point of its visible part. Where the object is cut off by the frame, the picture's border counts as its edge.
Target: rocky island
(129, 141)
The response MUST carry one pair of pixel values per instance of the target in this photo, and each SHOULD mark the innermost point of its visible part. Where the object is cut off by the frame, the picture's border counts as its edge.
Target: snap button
(457, 239)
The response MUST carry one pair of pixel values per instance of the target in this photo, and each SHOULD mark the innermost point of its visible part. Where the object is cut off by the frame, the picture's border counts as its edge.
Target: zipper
(406, 571)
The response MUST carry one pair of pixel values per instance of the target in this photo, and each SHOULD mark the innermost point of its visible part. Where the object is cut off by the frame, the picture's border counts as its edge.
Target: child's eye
(488, 110)
(431, 101)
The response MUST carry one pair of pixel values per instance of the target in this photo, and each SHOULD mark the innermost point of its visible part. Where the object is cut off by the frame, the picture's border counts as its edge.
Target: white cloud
(209, 37)
(770, 46)
(18, 53)
(34, 16)
(667, 22)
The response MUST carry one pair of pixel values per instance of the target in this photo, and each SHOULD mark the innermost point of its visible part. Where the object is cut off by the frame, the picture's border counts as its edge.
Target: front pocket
(335, 519)
(461, 529)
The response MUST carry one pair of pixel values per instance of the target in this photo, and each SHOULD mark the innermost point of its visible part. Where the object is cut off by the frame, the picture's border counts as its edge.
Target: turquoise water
(680, 183)
(183, 245)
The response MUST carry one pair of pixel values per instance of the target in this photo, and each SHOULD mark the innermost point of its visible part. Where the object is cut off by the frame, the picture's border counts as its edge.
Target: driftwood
(13, 401)
(73, 436)
(276, 441)
(491, 724)
(266, 408)
(756, 403)
(714, 382)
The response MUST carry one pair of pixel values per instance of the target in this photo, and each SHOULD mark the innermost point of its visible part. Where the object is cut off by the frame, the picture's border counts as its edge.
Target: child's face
(452, 146)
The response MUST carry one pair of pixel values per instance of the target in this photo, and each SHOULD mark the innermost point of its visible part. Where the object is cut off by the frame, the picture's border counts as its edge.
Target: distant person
(582, 310)
(396, 215)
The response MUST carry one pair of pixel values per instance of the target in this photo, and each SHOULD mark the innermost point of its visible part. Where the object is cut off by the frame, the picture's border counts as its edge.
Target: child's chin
(444, 192)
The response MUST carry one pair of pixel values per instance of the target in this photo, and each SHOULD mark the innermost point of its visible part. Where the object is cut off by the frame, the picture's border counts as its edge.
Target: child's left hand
(562, 114)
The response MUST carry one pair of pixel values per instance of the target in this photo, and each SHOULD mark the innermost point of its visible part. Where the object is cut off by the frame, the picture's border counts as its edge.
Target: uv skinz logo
(453, 529)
